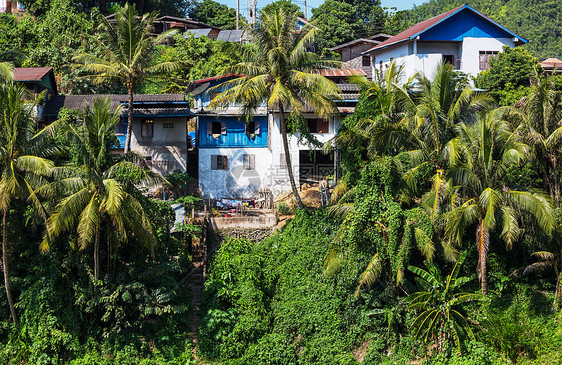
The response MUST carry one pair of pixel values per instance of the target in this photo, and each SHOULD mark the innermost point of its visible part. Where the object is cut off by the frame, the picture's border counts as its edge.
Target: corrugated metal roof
(31, 73)
(76, 102)
(420, 27)
(341, 72)
(551, 63)
(196, 33)
(354, 42)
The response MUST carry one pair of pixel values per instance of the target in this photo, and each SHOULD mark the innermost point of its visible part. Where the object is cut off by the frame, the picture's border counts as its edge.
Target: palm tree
(543, 126)
(20, 161)
(94, 193)
(440, 302)
(280, 71)
(127, 49)
(477, 195)
(386, 103)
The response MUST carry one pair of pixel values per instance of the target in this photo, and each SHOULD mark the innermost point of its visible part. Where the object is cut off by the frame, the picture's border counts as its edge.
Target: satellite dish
(200, 89)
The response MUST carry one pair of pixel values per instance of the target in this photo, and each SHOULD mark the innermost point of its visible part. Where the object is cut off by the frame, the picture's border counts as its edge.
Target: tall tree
(542, 124)
(279, 71)
(213, 13)
(477, 196)
(93, 194)
(20, 165)
(127, 49)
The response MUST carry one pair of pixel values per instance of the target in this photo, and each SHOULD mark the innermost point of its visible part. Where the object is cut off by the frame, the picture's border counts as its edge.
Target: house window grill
(168, 125)
(366, 61)
(147, 128)
(161, 164)
(219, 162)
(249, 162)
(484, 59)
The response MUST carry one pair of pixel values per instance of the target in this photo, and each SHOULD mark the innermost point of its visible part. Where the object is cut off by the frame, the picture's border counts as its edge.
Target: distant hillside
(540, 22)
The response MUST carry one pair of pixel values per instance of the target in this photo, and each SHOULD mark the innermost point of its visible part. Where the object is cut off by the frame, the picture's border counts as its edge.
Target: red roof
(345, 72)
(420, 27)
(31, 73)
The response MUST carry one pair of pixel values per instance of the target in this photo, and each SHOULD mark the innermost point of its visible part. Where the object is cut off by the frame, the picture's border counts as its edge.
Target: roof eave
(478, 13)
(377, 48)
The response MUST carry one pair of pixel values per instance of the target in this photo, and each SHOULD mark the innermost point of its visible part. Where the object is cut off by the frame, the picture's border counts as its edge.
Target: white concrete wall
(234, 182)
(167, 144)
(430, 54)
(471, 48)
(280, 178)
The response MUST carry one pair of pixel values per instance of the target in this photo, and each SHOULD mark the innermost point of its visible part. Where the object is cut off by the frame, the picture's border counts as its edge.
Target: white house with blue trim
(462, 36)
(238, 158)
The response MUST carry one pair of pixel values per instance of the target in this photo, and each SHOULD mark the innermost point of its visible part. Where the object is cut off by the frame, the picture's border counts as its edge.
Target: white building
(237, 159)
(463, 37)
(7, 6)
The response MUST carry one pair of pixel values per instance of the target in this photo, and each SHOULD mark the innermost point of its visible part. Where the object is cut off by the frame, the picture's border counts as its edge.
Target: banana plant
(441, 317)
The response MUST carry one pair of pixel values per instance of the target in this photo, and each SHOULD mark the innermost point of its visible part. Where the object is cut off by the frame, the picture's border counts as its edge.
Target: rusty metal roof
(341, 72)
(551, 63)
(31, 73)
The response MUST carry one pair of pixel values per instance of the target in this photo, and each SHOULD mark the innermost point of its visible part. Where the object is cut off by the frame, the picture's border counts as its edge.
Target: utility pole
(237, 14)
(254, 15)
(305, 15)
(249, 12)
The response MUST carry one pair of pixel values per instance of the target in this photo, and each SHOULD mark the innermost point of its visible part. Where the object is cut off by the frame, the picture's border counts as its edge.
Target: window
(485, 57)
(168, 125)
(216, 128)
(121, 128)
(448, 58)
(219, 162)
(252, 128)
(366, 61)
(318, 125)
(249, 162)
(282, 161)
(147, 128)
(161, 164)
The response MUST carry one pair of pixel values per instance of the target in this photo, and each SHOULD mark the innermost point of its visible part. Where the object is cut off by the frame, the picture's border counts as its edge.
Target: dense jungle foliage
(441, 243)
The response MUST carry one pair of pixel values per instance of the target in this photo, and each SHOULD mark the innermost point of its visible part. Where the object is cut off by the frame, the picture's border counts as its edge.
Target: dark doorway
(315, 166)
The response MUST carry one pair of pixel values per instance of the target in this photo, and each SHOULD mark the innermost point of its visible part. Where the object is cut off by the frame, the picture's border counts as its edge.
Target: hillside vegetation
(540, 22)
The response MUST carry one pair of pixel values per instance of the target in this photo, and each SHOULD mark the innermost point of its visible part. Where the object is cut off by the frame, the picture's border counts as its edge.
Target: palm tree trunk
(283, 127)
(483, 243)
(129, 120)
(6, 266)
(558, 293)
(97, 255)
